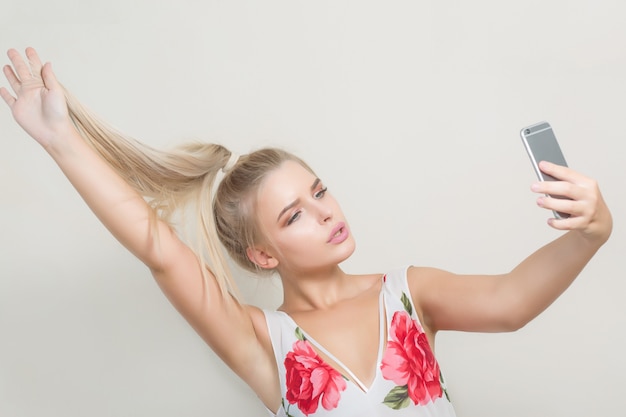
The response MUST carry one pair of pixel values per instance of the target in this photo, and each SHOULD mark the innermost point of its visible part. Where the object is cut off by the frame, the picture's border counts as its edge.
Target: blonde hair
(185, 176)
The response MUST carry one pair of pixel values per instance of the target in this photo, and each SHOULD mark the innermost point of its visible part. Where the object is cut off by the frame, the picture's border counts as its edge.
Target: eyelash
(319, 194)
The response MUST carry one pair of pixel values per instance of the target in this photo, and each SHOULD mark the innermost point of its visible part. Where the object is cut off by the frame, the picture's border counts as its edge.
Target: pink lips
(338, 234)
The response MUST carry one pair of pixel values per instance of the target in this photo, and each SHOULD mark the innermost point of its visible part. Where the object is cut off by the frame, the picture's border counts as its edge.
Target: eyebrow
(297, 200)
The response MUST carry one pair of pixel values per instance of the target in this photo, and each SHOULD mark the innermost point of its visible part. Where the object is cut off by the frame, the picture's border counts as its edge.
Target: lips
(338, 234)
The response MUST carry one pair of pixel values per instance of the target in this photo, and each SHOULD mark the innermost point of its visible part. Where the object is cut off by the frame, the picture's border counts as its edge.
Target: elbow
(516, 316)
(162, 249)
(514, 323)
(154, 257)
(162, 259)
(515, 308)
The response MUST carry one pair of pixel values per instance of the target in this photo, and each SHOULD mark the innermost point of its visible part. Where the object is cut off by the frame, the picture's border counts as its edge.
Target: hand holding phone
(541, 145)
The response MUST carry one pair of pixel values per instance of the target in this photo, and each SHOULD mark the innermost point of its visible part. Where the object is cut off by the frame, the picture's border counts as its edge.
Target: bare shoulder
(264, 376)
(423, 276)
(426, 284)
(418, 278)
(257, 316)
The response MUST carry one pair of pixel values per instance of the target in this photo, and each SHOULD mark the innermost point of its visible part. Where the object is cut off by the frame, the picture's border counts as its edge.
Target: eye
(319, 194)
(293, 218)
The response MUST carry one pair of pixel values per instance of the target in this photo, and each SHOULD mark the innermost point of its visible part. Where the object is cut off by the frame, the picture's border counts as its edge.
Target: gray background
(409, 111)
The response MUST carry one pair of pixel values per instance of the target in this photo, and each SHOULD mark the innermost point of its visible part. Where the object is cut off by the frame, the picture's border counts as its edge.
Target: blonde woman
(273, 214)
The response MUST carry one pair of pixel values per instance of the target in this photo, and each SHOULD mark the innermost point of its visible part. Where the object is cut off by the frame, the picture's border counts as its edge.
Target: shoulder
(423, 281)
(261, 372)
(270, 327)
(418, 276)
(425, 285)
(414, 278)
(259, 322)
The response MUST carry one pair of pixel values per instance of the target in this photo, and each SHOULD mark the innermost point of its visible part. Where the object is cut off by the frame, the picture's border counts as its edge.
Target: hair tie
(231, 162)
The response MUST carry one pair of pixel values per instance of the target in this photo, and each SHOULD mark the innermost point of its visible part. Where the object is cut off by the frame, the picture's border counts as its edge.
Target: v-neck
(382, 325)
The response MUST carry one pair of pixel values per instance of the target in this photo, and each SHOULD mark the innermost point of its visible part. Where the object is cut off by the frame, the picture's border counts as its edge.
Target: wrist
(599, 231)
(63, 140)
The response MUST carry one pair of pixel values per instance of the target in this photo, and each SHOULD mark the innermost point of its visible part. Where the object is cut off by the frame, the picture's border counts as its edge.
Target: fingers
(21, 68)
(561, 205)
(563, 189)
(49, 79)
(560, 172)
(14, 82)
(33, 61)
(570, 223)
(7, 97)
(573, 193)
(589, 214)
(22, 71)
(569, 184)
(581, 213)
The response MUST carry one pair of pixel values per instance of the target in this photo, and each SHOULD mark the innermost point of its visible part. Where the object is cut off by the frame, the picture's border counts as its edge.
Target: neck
(313, 290)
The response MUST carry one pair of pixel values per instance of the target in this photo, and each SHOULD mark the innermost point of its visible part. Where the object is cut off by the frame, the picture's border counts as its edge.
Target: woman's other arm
(507, 302)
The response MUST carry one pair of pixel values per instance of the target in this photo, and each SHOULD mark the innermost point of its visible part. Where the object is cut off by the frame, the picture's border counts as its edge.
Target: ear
(261, 258)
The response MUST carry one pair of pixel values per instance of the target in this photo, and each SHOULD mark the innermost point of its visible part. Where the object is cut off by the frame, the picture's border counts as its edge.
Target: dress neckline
(382, 325)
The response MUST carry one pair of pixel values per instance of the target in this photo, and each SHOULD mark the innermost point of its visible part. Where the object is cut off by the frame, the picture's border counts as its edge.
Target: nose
(325, 211)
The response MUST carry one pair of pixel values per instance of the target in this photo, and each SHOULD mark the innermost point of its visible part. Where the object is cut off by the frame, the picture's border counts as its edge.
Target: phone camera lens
(527, 131)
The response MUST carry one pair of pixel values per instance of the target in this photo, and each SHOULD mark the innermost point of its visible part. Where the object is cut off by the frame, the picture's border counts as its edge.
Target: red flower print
(409, 362)
(310, 379)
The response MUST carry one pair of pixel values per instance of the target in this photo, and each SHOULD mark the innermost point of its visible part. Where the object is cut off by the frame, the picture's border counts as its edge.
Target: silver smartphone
(541, 145)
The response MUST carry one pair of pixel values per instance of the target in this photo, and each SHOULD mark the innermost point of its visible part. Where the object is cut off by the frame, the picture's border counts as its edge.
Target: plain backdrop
(409, 111)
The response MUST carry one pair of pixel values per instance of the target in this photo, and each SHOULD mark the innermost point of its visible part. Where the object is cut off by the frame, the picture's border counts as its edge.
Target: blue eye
(320, 193)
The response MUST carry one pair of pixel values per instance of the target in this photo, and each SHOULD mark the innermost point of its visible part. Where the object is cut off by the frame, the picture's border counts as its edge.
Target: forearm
(542, 277)
(121, 209)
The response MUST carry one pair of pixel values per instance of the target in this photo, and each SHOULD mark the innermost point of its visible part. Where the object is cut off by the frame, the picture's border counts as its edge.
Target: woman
(272, 214)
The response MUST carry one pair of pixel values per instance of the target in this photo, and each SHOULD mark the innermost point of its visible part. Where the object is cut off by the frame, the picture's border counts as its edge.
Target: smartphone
(541, 145)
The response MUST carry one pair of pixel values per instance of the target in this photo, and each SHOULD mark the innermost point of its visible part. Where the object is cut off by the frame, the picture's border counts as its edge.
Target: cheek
(297, 237)
(301, 238)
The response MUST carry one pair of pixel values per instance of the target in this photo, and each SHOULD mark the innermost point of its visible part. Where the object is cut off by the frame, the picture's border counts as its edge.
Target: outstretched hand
(39, 104)
(588, 213)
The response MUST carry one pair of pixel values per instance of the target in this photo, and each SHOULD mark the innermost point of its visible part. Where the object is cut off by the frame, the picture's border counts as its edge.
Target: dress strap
(382, 325)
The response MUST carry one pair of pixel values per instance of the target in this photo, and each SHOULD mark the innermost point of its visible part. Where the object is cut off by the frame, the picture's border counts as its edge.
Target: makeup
(339, 233)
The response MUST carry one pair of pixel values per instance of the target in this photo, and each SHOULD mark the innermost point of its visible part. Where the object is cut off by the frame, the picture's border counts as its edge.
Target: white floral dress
(408, 380)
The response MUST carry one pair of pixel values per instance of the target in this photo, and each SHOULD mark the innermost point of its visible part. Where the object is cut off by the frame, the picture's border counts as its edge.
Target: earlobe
(261, 258)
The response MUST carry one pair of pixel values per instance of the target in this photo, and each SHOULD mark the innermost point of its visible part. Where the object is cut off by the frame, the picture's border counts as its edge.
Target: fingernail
(535, 186)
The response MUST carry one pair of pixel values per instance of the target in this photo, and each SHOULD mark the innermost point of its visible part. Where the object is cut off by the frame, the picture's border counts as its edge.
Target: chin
(348, 250)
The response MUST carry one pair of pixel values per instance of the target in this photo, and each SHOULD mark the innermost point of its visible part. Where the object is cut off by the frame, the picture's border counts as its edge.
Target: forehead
(285, 184)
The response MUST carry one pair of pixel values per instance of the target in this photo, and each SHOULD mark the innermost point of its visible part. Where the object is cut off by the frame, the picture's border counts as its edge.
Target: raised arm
(235, 332)
(507, 302)
(40, 109)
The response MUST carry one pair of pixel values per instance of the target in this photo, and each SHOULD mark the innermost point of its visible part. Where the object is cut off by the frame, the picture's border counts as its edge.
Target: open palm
(39, 105)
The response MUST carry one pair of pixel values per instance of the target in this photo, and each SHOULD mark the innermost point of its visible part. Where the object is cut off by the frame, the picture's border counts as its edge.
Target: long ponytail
(169, 181)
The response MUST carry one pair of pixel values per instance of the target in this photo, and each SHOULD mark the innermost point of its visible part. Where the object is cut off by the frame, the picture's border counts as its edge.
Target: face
(304, 227)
